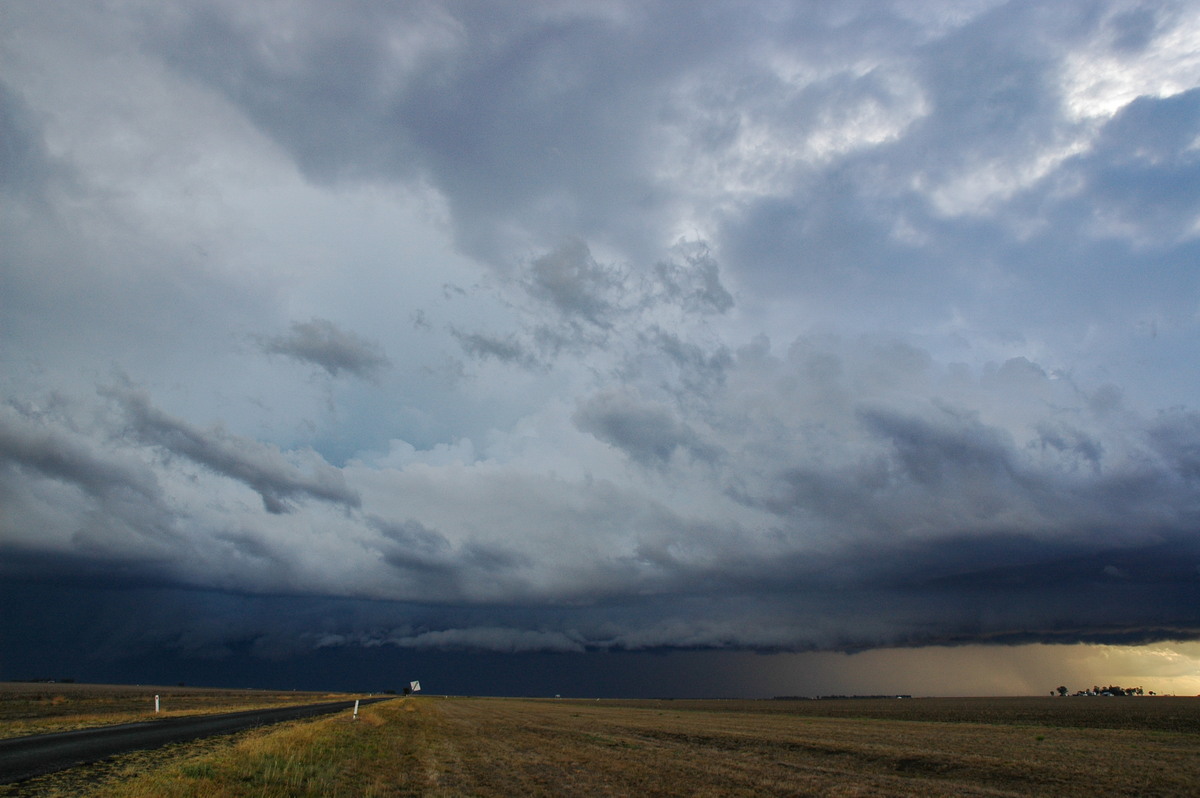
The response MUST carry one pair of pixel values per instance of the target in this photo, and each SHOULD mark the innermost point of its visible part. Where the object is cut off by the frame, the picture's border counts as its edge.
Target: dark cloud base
(53, 634)
(663, 674)
(98, 625)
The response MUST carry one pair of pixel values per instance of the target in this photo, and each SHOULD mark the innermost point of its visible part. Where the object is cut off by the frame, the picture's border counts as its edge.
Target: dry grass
(40, 708)
(500, 747)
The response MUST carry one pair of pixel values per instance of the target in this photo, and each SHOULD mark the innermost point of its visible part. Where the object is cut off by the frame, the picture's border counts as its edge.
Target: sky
(602, 348)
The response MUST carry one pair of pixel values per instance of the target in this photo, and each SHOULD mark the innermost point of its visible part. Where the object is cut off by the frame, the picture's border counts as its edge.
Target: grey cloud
(1133, 30)
(911, 523)
(648, 432)
(957, 450)
(508, 640)
(700, 368)
(25, 162)
(571, 280)
(937, 468)
(1076, 243)
(1079, 242)
(250, 546)
(64, 486)
(505, 349)
(852, 169)
(107, 615)
(437, 571)
(48, 445)
(1176, 437)
(870, 465)
(1063, 596)
(307, 100)
(1065, 584)
(998, 586)
(416, 544)
(261, 467)
(992, 84)
(320, 342)
(1084, 448)
(568, 303)
(865, 231)
(958, 589)
(511, 115)
(696, 284)
(457, 108)
(421, 557)
(535, 127)
(1144, 167)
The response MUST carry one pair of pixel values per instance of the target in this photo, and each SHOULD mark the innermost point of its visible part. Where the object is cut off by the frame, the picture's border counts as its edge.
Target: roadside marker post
(156, 705)
(355, 710)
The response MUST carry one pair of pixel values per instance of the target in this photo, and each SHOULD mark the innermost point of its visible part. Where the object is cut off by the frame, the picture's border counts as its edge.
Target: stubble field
(499, 747)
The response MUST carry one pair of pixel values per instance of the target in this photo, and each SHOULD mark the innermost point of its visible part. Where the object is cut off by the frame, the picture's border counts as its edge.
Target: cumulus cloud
(321, 343)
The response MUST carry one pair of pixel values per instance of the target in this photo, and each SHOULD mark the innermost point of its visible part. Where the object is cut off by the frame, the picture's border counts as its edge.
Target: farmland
(493, 747)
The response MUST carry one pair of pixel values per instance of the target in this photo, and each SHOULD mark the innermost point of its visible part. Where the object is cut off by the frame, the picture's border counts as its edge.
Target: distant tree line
(834, 697)
(43, 681)
(1111, 690)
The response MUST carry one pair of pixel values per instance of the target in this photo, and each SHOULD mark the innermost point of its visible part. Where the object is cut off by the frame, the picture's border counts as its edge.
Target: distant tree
(1062, 690)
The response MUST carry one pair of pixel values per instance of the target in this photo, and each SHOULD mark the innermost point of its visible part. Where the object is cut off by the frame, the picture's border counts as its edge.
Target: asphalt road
(25, 757)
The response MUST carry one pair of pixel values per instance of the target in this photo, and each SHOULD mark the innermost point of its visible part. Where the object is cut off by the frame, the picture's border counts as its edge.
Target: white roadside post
(355, 710)
(156, 704)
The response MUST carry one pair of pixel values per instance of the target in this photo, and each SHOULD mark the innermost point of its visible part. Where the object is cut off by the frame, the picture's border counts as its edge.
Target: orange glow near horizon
(1168, 668)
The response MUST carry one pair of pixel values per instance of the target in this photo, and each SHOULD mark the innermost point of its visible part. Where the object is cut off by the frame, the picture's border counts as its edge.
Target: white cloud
(1144, 51)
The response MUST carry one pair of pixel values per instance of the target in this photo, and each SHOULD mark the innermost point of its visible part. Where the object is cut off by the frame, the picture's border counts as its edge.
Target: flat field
(499, 747)
(41, 707)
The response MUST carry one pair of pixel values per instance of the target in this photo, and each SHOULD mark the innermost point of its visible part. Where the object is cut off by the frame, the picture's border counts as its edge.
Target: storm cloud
(675, 328)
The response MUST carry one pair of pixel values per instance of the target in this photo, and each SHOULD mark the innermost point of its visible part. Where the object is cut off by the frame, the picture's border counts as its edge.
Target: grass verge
(38, 708)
